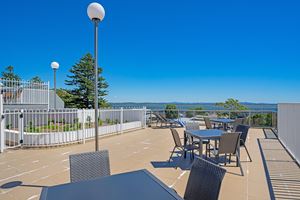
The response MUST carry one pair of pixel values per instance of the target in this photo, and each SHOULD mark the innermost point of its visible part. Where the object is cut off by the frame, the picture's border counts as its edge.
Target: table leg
(200, 148)
(185, 143)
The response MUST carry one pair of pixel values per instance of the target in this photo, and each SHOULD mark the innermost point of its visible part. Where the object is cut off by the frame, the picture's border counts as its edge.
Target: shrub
(171, 111)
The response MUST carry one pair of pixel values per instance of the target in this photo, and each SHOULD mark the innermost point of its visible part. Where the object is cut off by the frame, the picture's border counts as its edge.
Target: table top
(132, 185)
(222, 120)
(205, 134)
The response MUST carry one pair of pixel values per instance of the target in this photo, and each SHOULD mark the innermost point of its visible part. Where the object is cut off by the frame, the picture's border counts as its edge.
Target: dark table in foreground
(135, 185)
(211, 134)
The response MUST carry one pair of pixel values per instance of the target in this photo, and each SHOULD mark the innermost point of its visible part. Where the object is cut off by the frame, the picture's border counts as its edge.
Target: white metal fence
(289, 128)
(24, 92)
(48, 128)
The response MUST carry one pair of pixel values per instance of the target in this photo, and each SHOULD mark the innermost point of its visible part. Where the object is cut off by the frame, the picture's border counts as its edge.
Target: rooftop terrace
(265, 178)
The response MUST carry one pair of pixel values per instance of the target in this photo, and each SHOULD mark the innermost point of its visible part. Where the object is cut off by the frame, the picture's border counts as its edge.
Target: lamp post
(54, 66)
(96, 13)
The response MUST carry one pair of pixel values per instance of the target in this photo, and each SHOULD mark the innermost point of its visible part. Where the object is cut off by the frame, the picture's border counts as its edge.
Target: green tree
(36, 79)
(66, 97)
(9, 74)
(192, 112)
(82, 80)
(171, 111)
(232, 104)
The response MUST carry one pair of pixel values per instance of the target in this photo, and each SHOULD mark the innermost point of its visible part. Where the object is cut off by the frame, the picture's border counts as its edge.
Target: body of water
(187, 106)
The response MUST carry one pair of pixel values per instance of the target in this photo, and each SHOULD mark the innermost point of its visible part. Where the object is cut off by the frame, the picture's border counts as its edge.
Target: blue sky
(154, 51)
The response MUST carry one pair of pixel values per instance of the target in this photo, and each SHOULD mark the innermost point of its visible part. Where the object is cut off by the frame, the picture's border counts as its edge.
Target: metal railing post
(2, 124)
(144, 116)
(83, 125)
(121, 119)
(21, 127)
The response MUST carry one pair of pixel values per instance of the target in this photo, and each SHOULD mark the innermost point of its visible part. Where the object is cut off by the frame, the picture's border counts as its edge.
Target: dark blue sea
(187, 106)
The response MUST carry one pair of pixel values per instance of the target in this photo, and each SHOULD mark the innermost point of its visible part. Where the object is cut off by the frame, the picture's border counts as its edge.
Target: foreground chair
(229, 146)
(205, 181)
(243, 129)
(180, 147)
(91, 165)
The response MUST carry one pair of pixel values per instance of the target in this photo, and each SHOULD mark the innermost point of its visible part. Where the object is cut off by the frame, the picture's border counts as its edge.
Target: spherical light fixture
(95, 11)
(54, 65)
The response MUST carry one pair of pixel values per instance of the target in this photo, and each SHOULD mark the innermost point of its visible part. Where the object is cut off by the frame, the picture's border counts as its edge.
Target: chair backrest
(229, 142)
(207, 123)
(158, 116)
(243, 129)
(163, 117)
(204, 181)
(238, 121)
(176, 138)
(192, 126)
(87, 166)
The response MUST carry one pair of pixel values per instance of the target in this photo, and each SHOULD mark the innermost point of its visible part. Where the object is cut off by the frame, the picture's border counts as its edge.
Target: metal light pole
(54, 66)
(96, 13)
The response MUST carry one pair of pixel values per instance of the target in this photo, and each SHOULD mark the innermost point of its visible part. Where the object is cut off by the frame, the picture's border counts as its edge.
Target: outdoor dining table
(134, 185)
(206, 134)
(224, 121)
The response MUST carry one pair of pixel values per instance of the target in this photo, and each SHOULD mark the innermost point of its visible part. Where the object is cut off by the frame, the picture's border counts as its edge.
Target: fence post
(83, 125)
(121, 119)
(249, 118)
(2, 124)
(145, 117)
(21, 126)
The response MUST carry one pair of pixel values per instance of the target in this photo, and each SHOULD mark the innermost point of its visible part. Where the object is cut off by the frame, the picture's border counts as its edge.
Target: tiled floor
(148, 148)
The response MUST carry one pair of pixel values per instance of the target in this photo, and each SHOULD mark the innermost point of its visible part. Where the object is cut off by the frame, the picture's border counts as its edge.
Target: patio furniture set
(90, 175)
(91, 179)
(226, 142)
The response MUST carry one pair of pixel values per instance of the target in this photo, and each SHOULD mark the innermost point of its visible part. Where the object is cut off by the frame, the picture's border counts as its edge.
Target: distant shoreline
(187, 106)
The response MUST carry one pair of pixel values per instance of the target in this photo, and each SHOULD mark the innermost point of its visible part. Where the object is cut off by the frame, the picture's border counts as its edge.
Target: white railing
(289, 128)
(49, 128)
(24, 92)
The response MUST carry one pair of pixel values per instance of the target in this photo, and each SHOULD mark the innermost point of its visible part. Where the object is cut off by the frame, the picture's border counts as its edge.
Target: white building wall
(289, 127)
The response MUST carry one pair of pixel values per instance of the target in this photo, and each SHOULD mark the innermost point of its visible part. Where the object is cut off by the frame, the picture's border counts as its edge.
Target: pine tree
(9, 74)
(82, 81)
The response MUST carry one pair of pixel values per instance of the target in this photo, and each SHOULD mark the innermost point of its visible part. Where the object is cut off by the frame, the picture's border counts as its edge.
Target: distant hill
(186, 106)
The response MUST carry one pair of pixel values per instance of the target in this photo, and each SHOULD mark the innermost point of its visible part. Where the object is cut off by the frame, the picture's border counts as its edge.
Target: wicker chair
(91, 165)
(179, 146)
(243, 129)
(205, 181)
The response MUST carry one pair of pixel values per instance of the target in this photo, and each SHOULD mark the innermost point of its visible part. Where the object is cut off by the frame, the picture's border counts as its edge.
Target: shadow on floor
(14, 184)
(282, 172)
(175, 162)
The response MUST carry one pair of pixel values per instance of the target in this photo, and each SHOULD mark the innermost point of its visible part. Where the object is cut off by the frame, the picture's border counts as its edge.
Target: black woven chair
(204, 181)
(180, 147)
(87, 166)
(243, 129)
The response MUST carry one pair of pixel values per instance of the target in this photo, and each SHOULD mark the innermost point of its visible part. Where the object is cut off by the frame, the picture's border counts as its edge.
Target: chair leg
(225, 159)
(172, 154)
(238, 161)
(229, 158)
(248, 153)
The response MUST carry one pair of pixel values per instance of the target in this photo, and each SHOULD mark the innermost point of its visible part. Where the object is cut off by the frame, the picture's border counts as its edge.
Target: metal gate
(11, 127)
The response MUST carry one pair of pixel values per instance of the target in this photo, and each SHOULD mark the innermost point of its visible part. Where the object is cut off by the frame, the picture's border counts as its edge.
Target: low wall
(68, 137)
